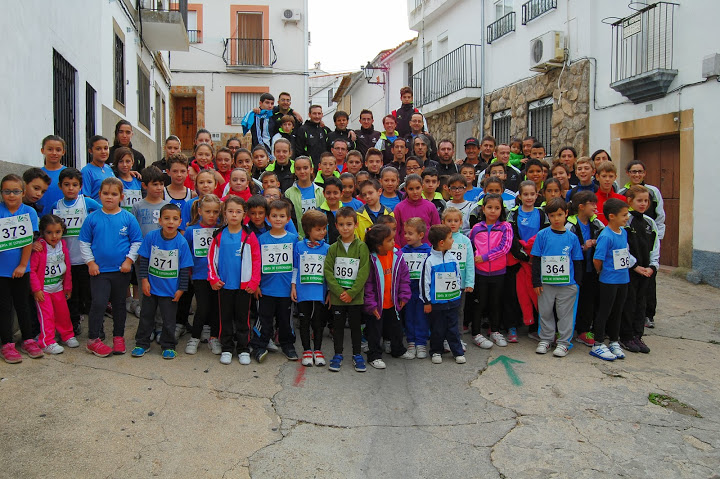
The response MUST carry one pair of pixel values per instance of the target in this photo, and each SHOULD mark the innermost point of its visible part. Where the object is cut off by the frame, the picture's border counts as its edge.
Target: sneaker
(31, 348)
(649, 323)
(169, 354)
(641, 344)
(436, 358)
(464, 345)
(261, 354)
(542, 347)
(378, 364)
(512, 335)
(387, 346)
(192, 346)
(118, 345)
(157, 335)
(446, 346)
(307, 358)
(335, 363)
(290, 353)
(10, 354)
(411, 348)
(409, 354)
(359, 363)
(272, 347)
(561, 351)
(53, 348)
(72, 342)
(482, 342)
(421, 351)
(130, 305)
(364, 347)
(205, 335)
(244, 358)
(616, 349)
(534, 336)
(225, 358)
(138, 310)
(98, 348)
(459, 359)
(319, 358)
(601, 351)
(588, 339)
(214, 346)
(138, 352)
(498, 339)
(180, 329)
(629, 345)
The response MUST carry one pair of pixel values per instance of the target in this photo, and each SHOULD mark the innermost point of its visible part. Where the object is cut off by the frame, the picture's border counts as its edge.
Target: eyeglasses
(12, 192)
(412, 168)
(636, 172)
(272, 197)
(457, 188)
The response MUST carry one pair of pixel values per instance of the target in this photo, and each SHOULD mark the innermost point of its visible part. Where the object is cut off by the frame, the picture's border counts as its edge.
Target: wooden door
(662, 160)
(185, 121)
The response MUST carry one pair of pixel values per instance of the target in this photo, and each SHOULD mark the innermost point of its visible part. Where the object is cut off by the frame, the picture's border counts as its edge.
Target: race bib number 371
(164, 263)
(15, 232)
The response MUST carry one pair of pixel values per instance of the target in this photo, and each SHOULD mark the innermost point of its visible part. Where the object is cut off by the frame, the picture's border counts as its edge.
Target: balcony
(535, 8)
(163, 25)
(501, 27)
(256, 54)
(195, 36)
(426, 11)
(450, 81)
(642, 53)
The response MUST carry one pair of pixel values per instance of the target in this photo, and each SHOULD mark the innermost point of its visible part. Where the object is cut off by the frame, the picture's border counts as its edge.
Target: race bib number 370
(15, 232)
(277, 258)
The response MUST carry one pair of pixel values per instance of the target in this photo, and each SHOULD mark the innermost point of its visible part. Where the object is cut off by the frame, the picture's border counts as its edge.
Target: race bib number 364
(555, 269)
(15, 232)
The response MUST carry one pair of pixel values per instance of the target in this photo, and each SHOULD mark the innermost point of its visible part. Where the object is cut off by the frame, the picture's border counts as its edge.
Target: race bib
(555, 269)
(621, 258)
(130, 197)
(346, 271)
(202, 237)
(415, 263)
(15, 232)
(459, 253)
(447, 286)
(73, 218)
(54, 268)
(309, 204)
(311, 268)
(277, 258)
(164, 263)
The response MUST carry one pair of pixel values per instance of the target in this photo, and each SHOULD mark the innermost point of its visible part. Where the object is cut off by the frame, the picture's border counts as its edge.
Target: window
(249, 38)
(502, 8)
(64, 105)
(443, 46)
(501, 126)
(409, 75)
(119, 70)
(330, 97)
(540, 122)
(90, 95)
(428, 54)
(193, 28)
(143, 98)
(240, 104)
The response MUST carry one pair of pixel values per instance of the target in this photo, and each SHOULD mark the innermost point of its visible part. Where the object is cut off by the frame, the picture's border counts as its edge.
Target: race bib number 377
(15, 232)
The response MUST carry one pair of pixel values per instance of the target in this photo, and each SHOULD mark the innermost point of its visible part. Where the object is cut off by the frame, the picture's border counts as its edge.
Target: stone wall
(571, 108)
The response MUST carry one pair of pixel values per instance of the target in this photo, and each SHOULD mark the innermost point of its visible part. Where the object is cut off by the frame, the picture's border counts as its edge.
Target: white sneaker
(364, 347)
(244, 358)
(307, 358)
(72, 342)
(378, 364)
(616, 350)
(205, 335)
(272, 347)
(225, 358)
(129, 305)
(319, 358)
(482, 342)
(411, 347)
(601, 351)
(446, 346)
(436, 358)
(464, 345)
(138, 309)
(192, 346)
(460, 359)
(179, 331)
(561, 351)
(421, 351)
(542, 347)
(388, 348)
(498, 339)
(409, 354)
(53, 348)
(214, 346)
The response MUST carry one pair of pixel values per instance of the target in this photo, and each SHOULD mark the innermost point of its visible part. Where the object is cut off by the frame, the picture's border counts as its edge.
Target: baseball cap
(472, 141)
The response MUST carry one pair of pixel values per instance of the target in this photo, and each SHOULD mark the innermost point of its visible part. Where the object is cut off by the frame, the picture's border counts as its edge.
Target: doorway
(185, 121)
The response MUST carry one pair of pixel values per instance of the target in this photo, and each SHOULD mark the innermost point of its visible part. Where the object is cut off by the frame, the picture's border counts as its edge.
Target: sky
(345, 34)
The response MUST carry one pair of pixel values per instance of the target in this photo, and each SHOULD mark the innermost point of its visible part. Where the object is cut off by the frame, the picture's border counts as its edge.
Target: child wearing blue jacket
(417, 328)
(308, 287)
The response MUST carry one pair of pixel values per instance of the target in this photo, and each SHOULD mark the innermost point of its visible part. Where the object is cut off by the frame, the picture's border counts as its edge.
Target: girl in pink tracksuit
(491, 239)
(51, 284)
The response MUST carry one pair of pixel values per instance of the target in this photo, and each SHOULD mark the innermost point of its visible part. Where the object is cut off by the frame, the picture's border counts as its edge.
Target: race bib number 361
(277, 258)
(15, 232)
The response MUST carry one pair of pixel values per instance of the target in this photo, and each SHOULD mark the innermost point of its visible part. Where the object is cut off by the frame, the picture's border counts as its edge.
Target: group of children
(407, 262)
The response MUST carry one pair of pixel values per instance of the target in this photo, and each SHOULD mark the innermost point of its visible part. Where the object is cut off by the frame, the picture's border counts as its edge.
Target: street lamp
(369, 72)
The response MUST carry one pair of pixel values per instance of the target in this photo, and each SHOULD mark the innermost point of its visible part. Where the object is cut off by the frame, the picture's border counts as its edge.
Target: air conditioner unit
(547, 51)
(290, 16)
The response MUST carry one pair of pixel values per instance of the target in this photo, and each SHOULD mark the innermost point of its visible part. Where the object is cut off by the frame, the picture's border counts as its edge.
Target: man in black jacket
(340, 118)
(446, 163)
(311, 139)
(366, 136)
(417, 127)
(280, 110)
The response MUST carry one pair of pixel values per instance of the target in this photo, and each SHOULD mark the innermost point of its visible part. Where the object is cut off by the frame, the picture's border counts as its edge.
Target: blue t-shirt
(87, 206)
(308, 271)
(93, 177)
(186, 213)
(166, 258)
(554, 243)
(473, 194)
(609, 241)
(354, 203)
(230, 259)
(586, 234)
(390, 203)
(53, 193)
(277, 263)
(132, 193)
(528, 223)
(110, 237)
(199, 252)
(19, 231)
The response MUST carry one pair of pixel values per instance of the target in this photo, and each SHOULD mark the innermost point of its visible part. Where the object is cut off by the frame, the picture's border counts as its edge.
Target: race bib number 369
(346, 271)
(15, 232)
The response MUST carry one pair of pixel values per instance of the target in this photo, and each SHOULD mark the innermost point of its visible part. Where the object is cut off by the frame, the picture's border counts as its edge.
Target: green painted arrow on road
(508, 363)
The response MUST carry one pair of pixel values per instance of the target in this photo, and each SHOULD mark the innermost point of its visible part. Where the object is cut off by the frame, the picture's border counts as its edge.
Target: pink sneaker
(98, 348)
(10, 354)
(118, 345)
(31, 348)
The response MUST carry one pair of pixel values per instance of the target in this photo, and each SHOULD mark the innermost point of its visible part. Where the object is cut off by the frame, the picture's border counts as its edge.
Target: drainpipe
(482, 69)
(306, 39)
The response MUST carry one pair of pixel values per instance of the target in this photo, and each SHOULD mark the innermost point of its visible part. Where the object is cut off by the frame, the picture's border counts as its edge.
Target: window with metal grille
(90, 95)
(330, 97)
(501, 126)
(540, 122)
(119, 70)
(240, 104)
(143, 98)
(409, 73)
(64, 106)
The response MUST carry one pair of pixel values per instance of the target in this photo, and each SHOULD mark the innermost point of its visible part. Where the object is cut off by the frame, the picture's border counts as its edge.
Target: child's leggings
(14, 293)
(106, 287)
(53, 314)
(488, 293)
(389, 327)
(207, 309)
(312, 314)
(234, 320)
(417, 326)
(611, 300)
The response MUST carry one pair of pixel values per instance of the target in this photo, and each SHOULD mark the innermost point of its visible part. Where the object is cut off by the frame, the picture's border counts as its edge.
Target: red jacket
(602, 198)
(251, 260)
(38, 261)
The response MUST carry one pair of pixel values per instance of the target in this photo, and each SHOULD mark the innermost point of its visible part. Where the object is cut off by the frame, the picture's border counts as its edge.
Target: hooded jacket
(365, 220)
(492, 243)
(295, 196)
(38, 262)
(375, 284)
(249, 256)
(311, 140)
(643, 240)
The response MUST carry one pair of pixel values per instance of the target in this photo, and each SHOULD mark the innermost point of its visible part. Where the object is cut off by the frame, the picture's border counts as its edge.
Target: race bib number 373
(15, 232)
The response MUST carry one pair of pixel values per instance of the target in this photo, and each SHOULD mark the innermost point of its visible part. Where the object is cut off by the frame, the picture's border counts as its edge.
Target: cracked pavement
(75, 415)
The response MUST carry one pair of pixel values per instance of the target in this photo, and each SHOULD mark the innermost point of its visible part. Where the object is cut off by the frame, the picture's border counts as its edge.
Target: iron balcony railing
(166, 6)
(501, 27)
(457, 70)
(249, 52)
(534, 8)
(195, 36)
(643, 42)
